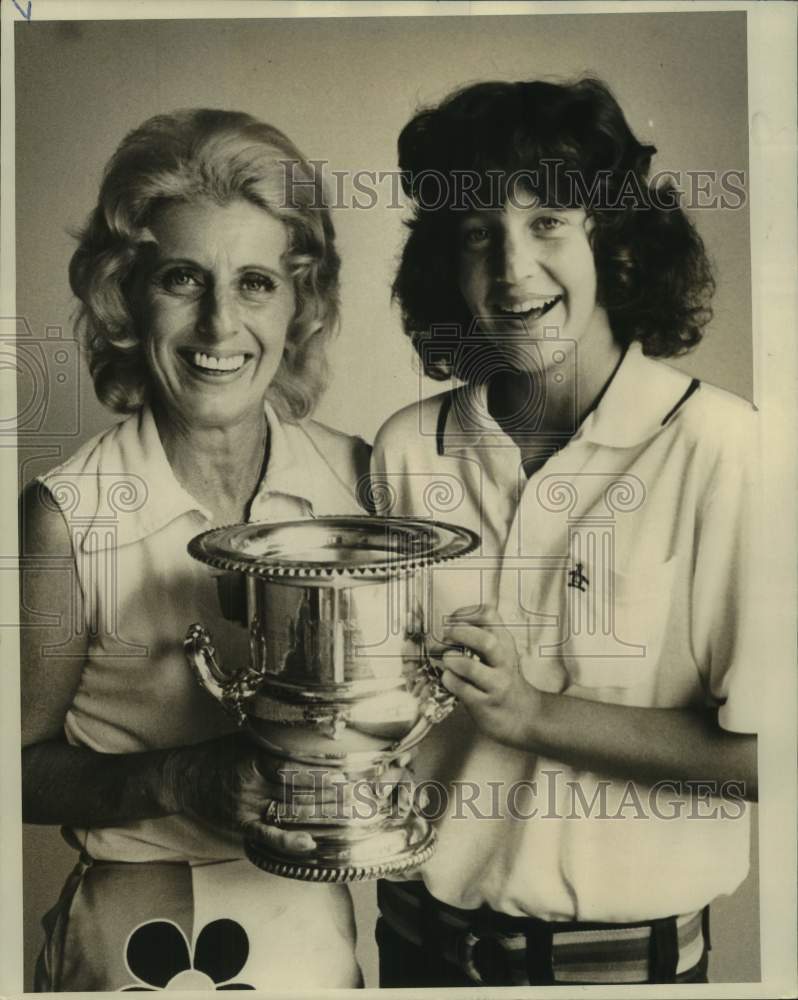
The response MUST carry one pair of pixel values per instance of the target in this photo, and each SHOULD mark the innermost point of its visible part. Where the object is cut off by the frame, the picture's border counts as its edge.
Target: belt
(496, 949)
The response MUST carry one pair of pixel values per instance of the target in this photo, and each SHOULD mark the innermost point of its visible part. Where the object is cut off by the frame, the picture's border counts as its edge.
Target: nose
(218, 319)
(519, 258)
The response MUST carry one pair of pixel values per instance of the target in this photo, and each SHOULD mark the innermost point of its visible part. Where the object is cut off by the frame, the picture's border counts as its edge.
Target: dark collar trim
(440, 427)
(694, 385)
(606, 386)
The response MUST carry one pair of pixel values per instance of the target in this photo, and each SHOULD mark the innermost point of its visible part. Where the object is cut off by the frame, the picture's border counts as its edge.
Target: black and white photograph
(399, 523)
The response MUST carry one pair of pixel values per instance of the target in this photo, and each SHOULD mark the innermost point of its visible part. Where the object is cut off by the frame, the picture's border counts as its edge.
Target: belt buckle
(467, 963)
(494, 961)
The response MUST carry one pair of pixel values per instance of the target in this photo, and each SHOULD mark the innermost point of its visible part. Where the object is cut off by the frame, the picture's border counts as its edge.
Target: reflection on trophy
(339, 677)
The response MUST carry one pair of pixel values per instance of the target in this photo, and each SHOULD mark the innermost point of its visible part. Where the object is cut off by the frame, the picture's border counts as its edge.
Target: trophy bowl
(339, 677)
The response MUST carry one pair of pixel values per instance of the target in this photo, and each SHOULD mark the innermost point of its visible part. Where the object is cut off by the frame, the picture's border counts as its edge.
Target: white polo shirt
(130, 522)
(624, 569)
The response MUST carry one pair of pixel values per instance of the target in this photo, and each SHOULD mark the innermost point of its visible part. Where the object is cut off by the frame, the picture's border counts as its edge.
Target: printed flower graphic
(159, 957)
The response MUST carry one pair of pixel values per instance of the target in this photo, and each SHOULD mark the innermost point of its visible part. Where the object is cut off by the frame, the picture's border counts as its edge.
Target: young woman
(590, 787)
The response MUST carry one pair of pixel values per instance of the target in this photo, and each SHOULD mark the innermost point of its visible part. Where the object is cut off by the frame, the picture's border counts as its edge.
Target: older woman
(208, 292)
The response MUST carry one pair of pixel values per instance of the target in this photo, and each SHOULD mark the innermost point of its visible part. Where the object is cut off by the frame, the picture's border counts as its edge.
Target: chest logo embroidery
(577, 579)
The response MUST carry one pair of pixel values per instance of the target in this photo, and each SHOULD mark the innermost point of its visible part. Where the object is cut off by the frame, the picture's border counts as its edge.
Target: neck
(221, 467)
(534, 407)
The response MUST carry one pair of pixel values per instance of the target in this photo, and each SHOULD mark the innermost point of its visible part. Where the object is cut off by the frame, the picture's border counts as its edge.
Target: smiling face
(530, 268)
(218, 304)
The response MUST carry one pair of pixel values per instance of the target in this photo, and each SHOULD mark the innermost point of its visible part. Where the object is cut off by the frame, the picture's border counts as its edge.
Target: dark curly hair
(571, 144)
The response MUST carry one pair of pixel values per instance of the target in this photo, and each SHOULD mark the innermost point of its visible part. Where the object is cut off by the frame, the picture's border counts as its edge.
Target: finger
(288, 796)
(254, 785)
(449, 646)
(293, 813)
(486, 615)
(468, 611)
(282, 841)
(474, 672)
(463, 690)
(280, 769)
(489, 646)
(314, 779)
(436, 647)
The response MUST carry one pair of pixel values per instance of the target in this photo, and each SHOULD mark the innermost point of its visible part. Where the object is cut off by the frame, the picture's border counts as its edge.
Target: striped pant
(425, 943)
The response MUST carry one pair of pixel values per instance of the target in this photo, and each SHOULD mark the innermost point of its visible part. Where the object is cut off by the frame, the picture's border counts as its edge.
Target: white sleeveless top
(130, 522)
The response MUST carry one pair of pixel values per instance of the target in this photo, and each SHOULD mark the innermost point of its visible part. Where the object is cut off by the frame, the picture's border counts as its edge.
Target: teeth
(214, 364)
(528, 305)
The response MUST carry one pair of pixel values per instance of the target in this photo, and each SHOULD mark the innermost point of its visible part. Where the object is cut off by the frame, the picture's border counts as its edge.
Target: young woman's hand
(489, 682)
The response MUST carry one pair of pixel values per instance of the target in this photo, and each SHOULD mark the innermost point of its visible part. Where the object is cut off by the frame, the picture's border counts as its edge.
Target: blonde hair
(186, 156)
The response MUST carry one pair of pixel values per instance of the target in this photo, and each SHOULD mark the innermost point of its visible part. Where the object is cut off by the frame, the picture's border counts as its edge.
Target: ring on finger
(271, 814)
(461, 651)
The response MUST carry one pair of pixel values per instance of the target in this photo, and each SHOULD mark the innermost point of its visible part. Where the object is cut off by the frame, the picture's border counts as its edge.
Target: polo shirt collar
(142, 455)
(636, 403)
(297, 468)
(293, 470)
(638, 399)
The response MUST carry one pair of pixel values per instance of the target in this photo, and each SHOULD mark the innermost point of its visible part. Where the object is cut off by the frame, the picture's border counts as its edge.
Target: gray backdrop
(342, 89)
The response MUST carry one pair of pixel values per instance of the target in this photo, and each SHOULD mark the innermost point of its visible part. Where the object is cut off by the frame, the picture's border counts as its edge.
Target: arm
(641, 744)
(651, 744)
(216, 780)
(63, 783)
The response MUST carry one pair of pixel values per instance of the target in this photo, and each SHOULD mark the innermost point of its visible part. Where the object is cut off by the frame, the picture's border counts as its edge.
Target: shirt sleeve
(728, 631)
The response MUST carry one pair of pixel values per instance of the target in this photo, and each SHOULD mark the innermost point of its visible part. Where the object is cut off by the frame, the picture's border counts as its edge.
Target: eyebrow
(256, 267)
(191, 262)
(160, 259)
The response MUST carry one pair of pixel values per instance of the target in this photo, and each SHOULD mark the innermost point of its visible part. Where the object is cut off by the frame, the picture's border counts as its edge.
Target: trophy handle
(230, 690)
(437, 704)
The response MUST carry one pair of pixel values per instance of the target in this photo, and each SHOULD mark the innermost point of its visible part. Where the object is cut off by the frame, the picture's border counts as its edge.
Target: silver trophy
(339, 676)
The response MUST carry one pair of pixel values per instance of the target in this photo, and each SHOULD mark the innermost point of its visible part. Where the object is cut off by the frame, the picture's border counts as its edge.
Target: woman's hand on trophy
(485, 674)
(208, 780)
(278, 799)
(229, 782)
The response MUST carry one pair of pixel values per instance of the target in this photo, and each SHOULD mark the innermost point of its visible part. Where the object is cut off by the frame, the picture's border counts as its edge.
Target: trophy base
(344, 854)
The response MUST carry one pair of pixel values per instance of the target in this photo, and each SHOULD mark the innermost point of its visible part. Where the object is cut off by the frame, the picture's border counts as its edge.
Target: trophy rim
(420, 841)
(445, 542)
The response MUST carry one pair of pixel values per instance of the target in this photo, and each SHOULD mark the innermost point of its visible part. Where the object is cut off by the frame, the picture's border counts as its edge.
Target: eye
(476, 236)
(181, 281)
(254, 281)
(546, 224)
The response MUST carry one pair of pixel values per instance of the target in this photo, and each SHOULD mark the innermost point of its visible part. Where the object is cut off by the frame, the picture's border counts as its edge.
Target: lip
(526, 308)
(221, 374)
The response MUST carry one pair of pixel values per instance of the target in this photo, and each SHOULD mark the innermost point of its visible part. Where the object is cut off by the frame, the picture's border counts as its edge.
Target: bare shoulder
(43, 499)
(348, 454)
(411, 423)
(43, 529)
(48, 599)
